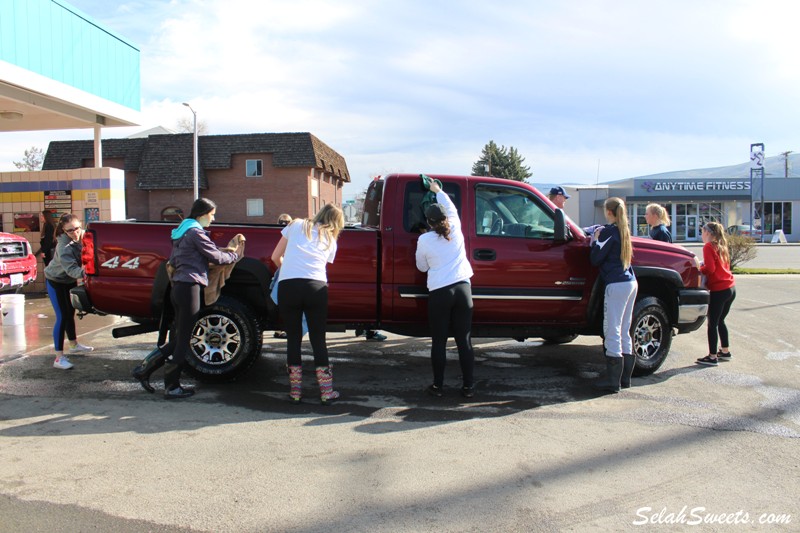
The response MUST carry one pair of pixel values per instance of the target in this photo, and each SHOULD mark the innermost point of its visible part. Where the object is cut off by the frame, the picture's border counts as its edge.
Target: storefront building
(691, 202)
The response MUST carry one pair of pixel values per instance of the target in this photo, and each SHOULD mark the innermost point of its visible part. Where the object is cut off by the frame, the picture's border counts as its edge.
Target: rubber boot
(325, 380)
(629, 362)
(295, 382)
(172, 385)
(611, 381)
(152, 362)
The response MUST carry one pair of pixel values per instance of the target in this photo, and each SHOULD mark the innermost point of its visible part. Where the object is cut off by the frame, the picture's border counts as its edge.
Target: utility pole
(786, 163)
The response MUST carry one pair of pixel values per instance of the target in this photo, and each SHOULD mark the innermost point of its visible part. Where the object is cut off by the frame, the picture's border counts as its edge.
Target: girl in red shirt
(720, 282)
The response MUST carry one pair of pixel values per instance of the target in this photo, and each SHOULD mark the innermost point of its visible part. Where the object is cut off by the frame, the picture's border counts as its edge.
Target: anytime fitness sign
(733, 187)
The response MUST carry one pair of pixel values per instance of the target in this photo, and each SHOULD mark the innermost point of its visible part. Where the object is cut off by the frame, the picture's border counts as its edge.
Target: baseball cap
(435, 213)
(559, 190)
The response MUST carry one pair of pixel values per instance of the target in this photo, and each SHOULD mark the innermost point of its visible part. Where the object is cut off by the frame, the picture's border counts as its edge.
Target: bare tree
(186, 125)
(34, 157)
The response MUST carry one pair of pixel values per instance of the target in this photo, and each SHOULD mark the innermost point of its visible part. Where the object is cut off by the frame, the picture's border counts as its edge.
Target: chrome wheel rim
(216, 339)
(647, 337)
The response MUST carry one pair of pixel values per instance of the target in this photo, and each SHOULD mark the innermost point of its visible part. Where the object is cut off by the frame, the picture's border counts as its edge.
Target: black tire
(226, 341)
(560, 339)
(651, 332)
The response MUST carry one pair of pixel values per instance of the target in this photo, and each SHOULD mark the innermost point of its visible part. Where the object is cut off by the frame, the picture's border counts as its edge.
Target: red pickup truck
(533, 277)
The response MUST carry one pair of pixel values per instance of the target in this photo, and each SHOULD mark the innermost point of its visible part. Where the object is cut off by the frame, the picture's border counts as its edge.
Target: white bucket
(12, 307)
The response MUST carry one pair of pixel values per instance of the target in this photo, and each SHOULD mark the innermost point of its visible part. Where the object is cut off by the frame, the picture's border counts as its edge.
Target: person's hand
(597, 233)
(434, 187)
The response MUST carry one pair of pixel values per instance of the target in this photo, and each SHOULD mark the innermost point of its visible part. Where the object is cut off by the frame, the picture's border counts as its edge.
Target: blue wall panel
(56, 40)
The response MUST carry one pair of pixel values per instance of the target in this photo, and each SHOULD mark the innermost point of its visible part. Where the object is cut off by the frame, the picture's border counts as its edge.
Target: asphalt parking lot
(535, 450)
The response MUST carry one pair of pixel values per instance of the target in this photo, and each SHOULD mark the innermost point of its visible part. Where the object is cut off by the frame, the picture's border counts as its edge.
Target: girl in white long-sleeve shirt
(441, 253)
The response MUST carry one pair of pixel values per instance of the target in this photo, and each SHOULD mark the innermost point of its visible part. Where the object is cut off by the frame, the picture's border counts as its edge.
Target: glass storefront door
(691, 227)
(686, 222)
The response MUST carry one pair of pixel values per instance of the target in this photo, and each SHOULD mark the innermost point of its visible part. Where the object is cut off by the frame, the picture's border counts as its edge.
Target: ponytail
(617, 207)
(441, 227)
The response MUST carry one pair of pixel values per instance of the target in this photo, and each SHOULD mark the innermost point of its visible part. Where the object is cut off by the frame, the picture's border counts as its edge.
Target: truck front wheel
(226, 341)
(652, 335)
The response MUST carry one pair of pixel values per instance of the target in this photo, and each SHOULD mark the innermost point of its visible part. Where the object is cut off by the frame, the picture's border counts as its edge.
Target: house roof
(165, 161)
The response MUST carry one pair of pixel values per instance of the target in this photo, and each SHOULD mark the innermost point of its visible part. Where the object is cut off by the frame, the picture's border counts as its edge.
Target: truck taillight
(87, 254)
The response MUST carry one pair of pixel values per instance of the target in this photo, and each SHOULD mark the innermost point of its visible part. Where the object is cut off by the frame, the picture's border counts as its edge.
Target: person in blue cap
(558, 196)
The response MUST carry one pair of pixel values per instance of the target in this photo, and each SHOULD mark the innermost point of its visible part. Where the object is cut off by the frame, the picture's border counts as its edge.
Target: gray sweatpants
(617, 316)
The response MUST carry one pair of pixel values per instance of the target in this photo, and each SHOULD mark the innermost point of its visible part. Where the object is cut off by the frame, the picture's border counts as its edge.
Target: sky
(585, 90)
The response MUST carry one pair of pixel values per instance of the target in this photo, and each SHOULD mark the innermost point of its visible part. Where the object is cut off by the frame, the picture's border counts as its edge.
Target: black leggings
(297, 297)
(186, 301)
(718, 307)
(450, 309)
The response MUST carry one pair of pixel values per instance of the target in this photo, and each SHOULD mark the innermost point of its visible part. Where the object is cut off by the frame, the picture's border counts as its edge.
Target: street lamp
(194, 164)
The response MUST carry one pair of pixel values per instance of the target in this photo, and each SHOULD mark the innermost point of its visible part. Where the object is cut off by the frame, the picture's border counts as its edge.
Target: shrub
(742, 249)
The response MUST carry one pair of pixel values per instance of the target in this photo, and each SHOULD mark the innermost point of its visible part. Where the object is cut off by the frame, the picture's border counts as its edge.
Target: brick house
(253, 178)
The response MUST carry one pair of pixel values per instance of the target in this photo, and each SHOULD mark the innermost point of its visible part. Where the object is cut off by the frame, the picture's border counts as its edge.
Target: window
(172, 214)
(776, 216)
(255, 207)
(414, 209)
(510, 212)
(253, 168)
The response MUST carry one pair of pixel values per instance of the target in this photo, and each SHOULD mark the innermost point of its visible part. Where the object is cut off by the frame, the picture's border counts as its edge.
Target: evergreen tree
(501, 162)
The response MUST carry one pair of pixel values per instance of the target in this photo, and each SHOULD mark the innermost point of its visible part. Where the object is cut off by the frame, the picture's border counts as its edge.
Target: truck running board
(138, 329)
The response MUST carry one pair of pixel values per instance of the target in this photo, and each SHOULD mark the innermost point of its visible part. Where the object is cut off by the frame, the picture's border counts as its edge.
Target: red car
(17, 262)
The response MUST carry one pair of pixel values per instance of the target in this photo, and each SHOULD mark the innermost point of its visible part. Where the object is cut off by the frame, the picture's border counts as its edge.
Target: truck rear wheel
(652, 335)
(226, 341)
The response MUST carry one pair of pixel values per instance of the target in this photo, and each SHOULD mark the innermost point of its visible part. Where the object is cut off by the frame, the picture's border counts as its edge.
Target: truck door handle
(484, 255)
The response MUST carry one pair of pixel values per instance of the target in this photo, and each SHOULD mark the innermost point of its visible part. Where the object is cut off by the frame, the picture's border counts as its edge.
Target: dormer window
(253, 168)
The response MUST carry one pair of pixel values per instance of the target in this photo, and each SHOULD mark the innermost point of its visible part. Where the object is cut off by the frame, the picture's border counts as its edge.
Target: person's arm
(449, 207)
(210, 251)
(601, 246)
(279, 251)
(71, 260)
(421, 258)
(710, 259)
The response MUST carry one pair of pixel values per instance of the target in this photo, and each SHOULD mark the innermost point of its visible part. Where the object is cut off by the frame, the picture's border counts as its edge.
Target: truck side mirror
(560, 227)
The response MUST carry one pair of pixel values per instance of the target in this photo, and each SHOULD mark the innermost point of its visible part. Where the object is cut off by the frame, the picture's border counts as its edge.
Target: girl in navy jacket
(612, 252)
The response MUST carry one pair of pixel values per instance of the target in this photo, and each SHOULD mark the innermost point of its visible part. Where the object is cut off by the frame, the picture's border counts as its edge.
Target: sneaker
(375, 336)
(279, 334)
(467, 392)
(78, 348)
(62, 363)
(433, 390)
(359, 332)
(724, 356)
(707, 360)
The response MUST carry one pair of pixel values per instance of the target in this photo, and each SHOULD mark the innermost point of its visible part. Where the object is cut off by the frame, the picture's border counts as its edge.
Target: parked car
(17, 262)
(745, 230)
